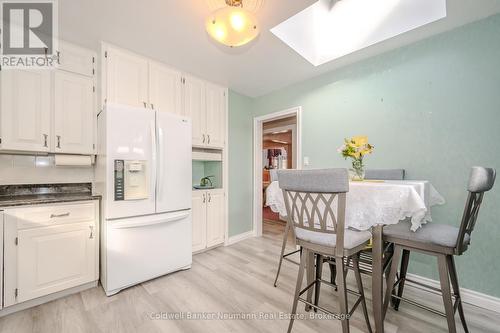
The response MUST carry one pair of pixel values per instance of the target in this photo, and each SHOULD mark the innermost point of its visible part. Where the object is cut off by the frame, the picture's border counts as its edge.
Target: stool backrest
(385, 174)
(481, 180)
(310, 198)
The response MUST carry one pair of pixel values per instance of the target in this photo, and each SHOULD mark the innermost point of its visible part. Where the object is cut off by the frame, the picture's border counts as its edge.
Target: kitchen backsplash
(24, 169)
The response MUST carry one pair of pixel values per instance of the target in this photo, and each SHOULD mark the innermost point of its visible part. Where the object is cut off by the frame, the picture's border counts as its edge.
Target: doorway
(277, 145)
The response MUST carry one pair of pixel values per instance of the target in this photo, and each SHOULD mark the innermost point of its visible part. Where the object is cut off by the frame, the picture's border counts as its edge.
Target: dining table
(370, 205)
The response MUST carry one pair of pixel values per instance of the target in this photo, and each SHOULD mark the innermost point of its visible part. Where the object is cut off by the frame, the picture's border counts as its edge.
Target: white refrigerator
(143, 172)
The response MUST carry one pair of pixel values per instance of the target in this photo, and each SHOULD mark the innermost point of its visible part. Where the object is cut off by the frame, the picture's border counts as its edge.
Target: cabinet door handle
(145, 104)
(59, 215)
(91, 232)
(204, 199)
(203, 138)
(152, 106)
(209, 197)
(58, 141)
(45, 137)
(208, 138)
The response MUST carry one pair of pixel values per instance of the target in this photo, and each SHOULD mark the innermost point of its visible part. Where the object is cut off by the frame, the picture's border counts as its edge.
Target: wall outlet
(306, 161)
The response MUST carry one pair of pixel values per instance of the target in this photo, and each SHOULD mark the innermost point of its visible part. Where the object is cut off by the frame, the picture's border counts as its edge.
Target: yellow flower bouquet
(356, 148)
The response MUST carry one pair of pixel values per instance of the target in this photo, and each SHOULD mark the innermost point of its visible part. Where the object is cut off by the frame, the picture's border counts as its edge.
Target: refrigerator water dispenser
(131, 180)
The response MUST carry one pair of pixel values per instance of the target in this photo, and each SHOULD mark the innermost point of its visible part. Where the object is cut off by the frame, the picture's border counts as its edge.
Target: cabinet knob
(204, 199)
(45, 137)
(58, 141)
(209, 197)
(203, 138)
(91, 232)
(208, 138)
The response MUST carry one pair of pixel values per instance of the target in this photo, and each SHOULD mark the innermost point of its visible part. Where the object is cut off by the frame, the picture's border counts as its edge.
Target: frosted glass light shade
(232, 26)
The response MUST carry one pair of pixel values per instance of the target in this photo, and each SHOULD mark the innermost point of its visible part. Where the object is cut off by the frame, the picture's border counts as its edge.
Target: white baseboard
(468, 296)
(238, 238)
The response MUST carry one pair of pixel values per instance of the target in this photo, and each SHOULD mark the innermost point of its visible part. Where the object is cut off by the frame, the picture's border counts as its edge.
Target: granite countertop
(20, 195)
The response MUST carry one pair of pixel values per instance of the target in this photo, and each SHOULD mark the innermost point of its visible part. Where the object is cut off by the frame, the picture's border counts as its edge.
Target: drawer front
(37, 216)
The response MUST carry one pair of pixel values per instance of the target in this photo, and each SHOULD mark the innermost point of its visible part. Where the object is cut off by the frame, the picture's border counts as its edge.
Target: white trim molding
(257, 159)
(471, 297)
(240, 237)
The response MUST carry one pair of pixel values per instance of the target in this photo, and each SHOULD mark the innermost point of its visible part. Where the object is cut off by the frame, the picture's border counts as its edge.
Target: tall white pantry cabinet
(50, 110)
(132, 79)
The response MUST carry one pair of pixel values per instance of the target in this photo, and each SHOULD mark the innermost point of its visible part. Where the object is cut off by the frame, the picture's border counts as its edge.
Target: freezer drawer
(142, 248)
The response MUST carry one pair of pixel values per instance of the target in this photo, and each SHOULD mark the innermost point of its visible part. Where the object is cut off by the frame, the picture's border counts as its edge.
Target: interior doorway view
(279, 151)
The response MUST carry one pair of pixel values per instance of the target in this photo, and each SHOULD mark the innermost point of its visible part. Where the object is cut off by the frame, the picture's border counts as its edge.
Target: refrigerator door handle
(161, 163)
(138, 224)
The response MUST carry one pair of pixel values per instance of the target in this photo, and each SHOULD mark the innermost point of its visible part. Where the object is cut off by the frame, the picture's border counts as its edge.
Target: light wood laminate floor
(234, 280)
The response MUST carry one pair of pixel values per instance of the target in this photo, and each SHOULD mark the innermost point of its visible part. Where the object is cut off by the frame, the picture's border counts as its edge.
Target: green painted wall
(240, 163)
(432, 108)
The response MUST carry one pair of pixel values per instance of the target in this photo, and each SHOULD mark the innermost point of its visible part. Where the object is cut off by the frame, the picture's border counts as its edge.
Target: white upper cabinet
(216, 115)
(50, 110)
(75, 59)
(73, 113)
(126, 78)
(25, 110)
(134, 80)
(165, 88)
(194, 107)
(205, 103)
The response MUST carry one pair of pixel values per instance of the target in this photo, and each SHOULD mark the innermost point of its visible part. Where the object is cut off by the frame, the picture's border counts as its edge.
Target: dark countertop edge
(17, 203)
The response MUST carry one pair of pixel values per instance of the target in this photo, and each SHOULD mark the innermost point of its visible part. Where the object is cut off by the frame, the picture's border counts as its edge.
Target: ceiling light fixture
(233, 25)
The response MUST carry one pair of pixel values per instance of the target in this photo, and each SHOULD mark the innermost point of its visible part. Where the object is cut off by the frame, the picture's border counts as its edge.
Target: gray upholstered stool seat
(352, 238)
(431, 233)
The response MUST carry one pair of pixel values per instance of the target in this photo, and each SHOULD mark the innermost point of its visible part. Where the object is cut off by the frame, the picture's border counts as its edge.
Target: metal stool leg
(283, 246)
(444, 278)
(333, 275)
(319, 273)
(310, 277)
(359, 282)
(404, 268)
(342, 287)
(456, 290)
(300, 277)
(392, 277)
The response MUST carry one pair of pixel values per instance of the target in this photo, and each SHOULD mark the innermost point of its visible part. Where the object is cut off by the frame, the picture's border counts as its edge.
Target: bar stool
(365, 260)
(319, 228)
(442, 241)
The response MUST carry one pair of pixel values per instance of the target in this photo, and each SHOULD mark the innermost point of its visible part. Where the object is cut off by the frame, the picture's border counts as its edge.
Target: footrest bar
(418, 305)
(355, 306)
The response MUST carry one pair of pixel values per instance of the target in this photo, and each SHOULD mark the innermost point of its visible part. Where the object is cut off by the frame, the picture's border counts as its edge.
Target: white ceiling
(173, 31)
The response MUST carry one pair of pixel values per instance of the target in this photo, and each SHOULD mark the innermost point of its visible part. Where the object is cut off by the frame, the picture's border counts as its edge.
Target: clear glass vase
(357, 172)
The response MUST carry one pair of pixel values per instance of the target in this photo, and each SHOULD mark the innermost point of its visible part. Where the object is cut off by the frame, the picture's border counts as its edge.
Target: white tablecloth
(372, 203)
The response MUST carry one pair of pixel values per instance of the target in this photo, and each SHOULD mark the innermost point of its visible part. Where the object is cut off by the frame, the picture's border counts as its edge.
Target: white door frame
(257, 158)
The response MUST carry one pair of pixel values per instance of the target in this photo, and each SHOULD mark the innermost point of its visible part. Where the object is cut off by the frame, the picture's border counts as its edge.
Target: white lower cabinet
(208, 219)
(49, 248)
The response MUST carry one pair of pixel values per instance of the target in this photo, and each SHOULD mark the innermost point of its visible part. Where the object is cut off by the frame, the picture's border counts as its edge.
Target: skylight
(330, 29)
